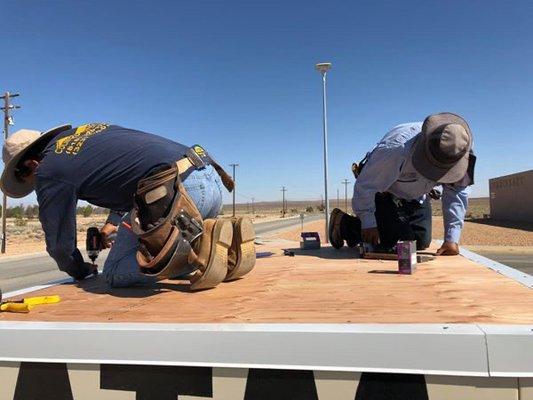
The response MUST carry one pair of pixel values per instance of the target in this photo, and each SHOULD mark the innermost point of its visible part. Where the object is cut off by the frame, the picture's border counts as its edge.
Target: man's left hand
(448, 249)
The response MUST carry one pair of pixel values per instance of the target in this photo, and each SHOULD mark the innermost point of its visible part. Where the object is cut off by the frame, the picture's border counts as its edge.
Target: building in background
(510, 197)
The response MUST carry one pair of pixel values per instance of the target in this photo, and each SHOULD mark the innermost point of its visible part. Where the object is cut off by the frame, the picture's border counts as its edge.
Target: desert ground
(474, 236)
(26, 236)
(480, 231)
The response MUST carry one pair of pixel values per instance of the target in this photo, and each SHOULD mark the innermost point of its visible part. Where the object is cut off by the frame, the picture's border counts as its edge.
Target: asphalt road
(17, 272)
(522, 262)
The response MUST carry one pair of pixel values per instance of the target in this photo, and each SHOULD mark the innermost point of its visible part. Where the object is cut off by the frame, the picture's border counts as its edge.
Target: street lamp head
(323, 67)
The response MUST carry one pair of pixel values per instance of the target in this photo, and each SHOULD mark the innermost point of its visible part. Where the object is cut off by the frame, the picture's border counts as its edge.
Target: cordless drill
(94, 243)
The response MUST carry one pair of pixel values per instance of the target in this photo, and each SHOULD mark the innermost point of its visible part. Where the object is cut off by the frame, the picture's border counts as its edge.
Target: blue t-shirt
(98, 163)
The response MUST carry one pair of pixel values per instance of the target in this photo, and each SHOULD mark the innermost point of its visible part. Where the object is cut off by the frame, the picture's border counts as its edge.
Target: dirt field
(477, 207)
(29, 238)
(478, 231)
(474, 234)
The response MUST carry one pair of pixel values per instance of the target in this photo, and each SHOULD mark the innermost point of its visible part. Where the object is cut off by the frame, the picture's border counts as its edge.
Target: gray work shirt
(389, 169)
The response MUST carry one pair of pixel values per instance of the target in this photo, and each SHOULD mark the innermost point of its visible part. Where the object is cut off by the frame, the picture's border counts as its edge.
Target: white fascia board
(399, 348)
(510, 349)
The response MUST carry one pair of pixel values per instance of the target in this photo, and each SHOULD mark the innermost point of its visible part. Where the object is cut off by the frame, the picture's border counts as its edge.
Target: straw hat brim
(9, 183)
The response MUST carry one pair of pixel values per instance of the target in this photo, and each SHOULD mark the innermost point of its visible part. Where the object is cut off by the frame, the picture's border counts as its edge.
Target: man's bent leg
(403, 220)
(121, 268)
(420, 218)
(392, 225)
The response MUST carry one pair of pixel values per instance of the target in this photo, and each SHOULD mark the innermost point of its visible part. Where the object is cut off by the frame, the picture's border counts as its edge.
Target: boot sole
(217, 266)
(244, 236)
(335, 219)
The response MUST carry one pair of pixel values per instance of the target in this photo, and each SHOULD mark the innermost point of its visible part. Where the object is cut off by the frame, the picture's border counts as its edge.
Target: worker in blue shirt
(391, 199)
(104, 165)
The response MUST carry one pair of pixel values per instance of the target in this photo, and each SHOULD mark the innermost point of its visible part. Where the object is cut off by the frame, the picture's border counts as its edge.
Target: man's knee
(124, 274)
(127, 279)
(116, 280)
(423, 242)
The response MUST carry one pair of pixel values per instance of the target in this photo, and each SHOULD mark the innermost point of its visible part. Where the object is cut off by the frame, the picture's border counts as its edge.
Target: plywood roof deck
(326, 286)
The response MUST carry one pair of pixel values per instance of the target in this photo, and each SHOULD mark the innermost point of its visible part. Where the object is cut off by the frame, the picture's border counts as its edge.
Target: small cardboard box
(406, 256)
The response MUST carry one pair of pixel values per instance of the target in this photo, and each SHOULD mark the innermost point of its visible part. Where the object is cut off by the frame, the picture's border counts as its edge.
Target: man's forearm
(454, 205)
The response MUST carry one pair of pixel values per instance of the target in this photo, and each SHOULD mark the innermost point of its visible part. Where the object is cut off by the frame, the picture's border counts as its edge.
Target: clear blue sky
(239, 78)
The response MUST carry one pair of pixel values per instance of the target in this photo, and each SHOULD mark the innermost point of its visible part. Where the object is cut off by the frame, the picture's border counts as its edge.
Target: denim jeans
(397, 220)
(121, 268)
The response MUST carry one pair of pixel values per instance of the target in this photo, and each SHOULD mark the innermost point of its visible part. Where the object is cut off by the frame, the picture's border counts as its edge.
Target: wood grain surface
(325, 286)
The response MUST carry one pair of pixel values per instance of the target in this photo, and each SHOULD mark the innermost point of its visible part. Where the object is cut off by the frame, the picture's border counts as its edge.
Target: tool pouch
(167, 222)
(357, 168)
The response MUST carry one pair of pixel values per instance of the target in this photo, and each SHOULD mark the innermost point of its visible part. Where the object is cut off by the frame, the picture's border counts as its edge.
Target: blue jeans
(121, 268)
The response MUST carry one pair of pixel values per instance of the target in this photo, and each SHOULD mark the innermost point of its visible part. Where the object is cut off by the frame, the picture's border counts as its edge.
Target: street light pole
(235, 188)
(323, 68)
(7, 121)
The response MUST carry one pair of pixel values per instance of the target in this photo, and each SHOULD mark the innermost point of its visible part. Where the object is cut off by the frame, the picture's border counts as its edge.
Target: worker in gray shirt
(391, 197)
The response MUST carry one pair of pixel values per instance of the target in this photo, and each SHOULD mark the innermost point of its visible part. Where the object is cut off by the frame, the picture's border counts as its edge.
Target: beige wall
(511, 197)
(230, 384)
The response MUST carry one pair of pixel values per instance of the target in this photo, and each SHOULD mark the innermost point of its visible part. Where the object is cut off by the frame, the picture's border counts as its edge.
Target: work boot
(335, 236)
(212, 249)
(344, 227)
(241, 256)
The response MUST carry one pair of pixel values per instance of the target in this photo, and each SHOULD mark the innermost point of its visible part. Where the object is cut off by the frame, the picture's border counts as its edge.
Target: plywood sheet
(326, 286)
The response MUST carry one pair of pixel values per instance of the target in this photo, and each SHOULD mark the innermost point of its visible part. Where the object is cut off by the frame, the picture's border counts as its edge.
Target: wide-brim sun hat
(15, 148)
(442, 150)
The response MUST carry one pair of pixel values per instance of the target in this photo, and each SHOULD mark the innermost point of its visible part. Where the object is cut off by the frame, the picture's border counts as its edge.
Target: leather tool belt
(198, 158)
(165, 218)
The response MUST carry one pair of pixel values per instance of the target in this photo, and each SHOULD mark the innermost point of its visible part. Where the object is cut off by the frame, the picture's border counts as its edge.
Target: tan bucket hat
(442, 151)
(14, 149)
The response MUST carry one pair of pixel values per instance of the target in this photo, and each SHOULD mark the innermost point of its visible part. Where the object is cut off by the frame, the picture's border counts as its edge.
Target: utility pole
(323, 68)
(345, 182)
(235, 188)
(8, 120)
(253, 210)
(283, 189)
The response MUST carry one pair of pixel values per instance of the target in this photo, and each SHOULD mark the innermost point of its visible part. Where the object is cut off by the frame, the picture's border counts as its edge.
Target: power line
(8, 120)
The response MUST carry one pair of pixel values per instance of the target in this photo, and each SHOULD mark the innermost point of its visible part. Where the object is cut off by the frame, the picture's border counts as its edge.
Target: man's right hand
(107, 231)
(370, 235)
